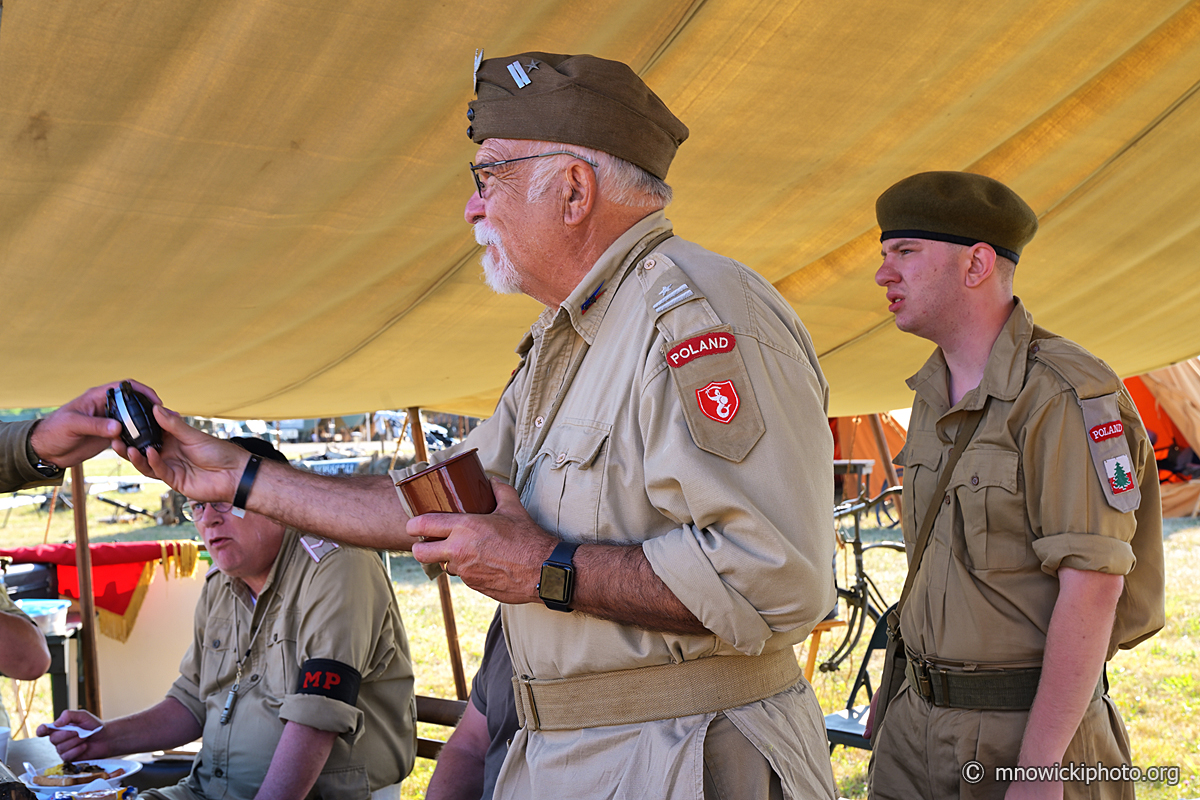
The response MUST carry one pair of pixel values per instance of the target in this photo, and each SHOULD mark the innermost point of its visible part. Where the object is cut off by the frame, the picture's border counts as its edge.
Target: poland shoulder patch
(1109, 449)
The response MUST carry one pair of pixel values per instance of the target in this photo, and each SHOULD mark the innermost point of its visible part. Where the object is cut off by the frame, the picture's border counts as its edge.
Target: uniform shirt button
(253, 678)
(974, 480)
(216, 642)
(947, 499)
(539, 422)
(561, 458)
(1034, 348)
(650, 264)
(218, 772)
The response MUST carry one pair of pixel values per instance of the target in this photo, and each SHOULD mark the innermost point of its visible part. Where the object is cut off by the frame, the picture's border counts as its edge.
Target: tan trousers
(921, 749)
(733, 767)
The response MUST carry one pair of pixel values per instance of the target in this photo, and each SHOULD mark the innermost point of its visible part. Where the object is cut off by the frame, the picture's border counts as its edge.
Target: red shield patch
(718, 401)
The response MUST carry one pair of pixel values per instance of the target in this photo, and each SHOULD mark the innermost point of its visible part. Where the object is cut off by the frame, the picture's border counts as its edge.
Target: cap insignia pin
(518, 74)
(533, 64)
(475, 73)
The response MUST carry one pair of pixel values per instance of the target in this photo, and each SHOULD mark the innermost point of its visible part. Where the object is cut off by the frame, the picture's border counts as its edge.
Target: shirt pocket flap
(919, 452)
(984, 467)
(574, 445)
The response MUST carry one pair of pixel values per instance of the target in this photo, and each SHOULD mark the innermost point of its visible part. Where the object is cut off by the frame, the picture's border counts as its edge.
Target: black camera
(135, 412)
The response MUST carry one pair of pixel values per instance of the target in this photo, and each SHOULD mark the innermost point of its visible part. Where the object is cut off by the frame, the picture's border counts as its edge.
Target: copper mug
(456, 485)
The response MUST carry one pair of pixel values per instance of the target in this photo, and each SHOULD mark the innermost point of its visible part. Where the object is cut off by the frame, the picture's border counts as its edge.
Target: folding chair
(846, 727)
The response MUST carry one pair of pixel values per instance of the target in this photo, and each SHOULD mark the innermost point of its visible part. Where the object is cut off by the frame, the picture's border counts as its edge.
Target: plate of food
(103, 773)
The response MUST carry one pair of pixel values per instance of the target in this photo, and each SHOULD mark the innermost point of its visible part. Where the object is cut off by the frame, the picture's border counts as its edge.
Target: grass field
(1156, 686)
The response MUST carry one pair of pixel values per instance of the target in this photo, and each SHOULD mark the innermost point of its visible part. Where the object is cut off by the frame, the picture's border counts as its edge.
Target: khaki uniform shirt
(742, 539)
(340, 608)
(1025, 499)
(15, 470)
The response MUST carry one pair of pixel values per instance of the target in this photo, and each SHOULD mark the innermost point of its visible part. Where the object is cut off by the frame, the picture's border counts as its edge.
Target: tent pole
(87, 601)
(882, 445)
(443, 580)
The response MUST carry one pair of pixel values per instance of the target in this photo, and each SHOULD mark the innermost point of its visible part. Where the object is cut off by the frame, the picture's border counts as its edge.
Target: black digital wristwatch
(557, 585)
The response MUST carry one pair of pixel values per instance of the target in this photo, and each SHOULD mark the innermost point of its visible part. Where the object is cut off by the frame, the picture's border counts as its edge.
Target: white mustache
(485, 234)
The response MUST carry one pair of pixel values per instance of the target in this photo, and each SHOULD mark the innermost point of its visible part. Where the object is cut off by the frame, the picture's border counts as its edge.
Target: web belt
(983, 690)
(664, 691)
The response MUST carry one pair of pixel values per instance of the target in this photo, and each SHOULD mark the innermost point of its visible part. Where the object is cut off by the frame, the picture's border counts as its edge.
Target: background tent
(255, 205)
(1169, 403)
(854, 439)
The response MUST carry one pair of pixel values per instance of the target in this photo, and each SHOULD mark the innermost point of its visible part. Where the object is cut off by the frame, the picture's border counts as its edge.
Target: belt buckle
(920, 676)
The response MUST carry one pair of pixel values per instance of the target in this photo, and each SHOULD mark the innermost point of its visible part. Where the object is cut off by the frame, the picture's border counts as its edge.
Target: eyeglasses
(194, 510)
(490, 164)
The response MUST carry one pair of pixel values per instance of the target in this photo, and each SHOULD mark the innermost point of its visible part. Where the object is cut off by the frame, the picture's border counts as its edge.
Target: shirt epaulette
(703, 358)
(316, 547)
(1087, 375)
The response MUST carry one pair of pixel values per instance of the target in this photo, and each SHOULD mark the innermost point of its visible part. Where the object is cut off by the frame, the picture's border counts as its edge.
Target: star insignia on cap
(533, 64)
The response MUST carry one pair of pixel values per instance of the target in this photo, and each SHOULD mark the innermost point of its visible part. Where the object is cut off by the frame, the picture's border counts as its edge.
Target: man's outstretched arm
(360, 510)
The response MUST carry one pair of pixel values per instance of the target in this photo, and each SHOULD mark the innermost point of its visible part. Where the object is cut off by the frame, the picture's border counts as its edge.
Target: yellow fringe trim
(181, 563)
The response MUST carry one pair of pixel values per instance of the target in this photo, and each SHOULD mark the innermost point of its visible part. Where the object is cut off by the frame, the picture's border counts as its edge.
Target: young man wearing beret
(662, 465)
(1044, 553)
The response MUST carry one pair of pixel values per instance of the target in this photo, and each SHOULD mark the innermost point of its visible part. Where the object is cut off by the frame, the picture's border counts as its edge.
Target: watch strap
(243, 490)
(44, 467)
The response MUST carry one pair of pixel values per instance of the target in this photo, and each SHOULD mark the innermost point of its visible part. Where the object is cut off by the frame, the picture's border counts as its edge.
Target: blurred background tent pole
(884, 453)
(443, 580)
(87, 601)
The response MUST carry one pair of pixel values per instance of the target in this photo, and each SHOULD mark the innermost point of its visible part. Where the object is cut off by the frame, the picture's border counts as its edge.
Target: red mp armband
(328, 678)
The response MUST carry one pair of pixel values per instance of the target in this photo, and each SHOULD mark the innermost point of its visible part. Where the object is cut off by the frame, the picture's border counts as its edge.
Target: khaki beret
(581, 100)
(957, 207)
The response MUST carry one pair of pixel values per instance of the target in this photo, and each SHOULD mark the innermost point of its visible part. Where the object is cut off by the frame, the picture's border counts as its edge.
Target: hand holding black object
(135, 412)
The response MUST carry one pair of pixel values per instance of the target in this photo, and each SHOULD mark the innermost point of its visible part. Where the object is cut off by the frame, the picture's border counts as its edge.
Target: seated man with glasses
(298, 678)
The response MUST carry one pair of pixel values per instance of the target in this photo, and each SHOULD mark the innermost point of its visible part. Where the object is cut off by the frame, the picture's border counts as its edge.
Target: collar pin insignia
(592, 298)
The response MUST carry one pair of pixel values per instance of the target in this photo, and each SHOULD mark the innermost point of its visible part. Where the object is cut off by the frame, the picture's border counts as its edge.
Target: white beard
(498, 269)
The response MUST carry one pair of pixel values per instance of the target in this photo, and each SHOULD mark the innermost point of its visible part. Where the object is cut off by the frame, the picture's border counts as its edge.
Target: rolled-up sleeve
(1072, 522)
(752, 556)
(342, 610)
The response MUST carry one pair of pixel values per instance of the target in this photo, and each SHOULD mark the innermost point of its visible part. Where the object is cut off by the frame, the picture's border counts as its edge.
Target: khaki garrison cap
(581, 100)
(957, 207)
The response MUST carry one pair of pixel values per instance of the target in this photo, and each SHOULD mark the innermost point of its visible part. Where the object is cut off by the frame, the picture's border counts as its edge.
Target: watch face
(554, 583)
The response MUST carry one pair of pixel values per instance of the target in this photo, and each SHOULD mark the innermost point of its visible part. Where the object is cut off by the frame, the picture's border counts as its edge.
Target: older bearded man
(661, 460)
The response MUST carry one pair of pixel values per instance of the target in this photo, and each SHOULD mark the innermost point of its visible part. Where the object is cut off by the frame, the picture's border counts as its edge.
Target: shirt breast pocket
(219, 661)
(281, 664)
(993, 511)
(570, 478)
(920, 458)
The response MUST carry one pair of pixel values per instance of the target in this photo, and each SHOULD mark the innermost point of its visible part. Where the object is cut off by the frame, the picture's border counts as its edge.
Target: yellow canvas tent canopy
(255, 205)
